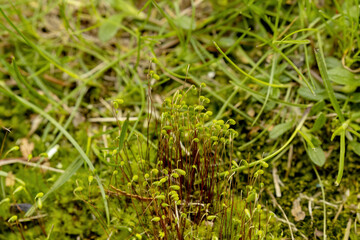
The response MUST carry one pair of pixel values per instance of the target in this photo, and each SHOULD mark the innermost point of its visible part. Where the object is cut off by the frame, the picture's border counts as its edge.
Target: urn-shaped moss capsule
(18, 189)
(209, 113)
(214, 138)
(90, 179)
(39, 203)
(156, 77)
(252, 196)
(135, 178)
(5, 200)
(247, 213)
(180, 171)
(156, 219)
(13, 219)
(78, 189)
(39, 195)
(264, 164)
(175, 175)
(175, 187)
(160, 197)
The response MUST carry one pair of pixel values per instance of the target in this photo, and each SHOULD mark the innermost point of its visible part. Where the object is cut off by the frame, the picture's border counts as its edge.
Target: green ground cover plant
(179, 119)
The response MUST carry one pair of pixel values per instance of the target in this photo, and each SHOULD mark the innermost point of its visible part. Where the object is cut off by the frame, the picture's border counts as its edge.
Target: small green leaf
(332, 62)
(317, 108)
(280, 129)
(355, 97)
(125, 6)
(342, 76)
(123, 133)
(316, 155)
(185, 22)
(324, 74)
(304, 92)
(226, 42)
(355, 146)
(319, 123)
(110, 27)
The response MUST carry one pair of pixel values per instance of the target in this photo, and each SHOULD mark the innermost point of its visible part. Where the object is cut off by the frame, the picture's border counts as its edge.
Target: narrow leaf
(319, 123)
(342, 159)
(316, 155)
(317, 108)
(280, 129)
(123, 133)
(66, 134)
(69, 172)
(42, 52)
(245, 73)
(355, 146)
(110, 27)
(330, 91)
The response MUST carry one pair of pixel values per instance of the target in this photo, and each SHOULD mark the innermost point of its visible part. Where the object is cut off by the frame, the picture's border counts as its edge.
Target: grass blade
(178, 31)
(330, 91)
(246, 74)
(69, 172)
(342, 158)
(28, 86)
(71, 117)
(269, 90)
(43, 53)
(123, 133)
(28, 104)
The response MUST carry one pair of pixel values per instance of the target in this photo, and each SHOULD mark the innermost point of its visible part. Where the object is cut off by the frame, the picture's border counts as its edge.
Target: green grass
(91, 77)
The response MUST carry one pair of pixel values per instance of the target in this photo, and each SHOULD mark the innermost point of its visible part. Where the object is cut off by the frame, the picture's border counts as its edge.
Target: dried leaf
(26, 147)
(318, 233)
(10, 180)
(296, 210)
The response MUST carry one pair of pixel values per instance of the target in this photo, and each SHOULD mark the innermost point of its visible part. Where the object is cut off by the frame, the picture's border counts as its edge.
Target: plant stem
(323, 195)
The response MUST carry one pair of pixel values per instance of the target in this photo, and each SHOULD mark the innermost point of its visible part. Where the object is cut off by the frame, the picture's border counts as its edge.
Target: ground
(104, 104)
